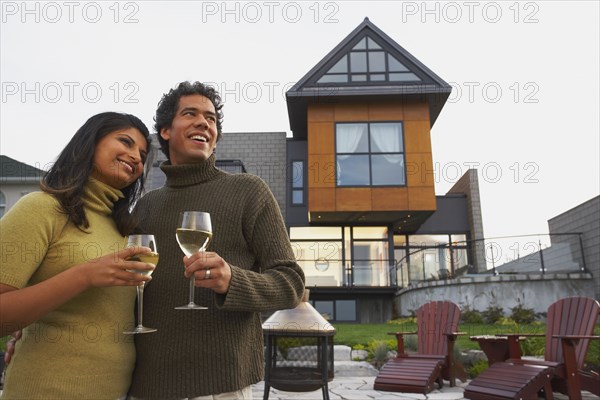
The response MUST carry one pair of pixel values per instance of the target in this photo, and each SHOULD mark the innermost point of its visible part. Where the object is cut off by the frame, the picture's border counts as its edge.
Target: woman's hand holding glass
(142, 242)
(116, 269)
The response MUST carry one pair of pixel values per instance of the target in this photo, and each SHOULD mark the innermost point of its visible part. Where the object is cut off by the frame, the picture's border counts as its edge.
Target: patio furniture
(570, 325)
(437, 325)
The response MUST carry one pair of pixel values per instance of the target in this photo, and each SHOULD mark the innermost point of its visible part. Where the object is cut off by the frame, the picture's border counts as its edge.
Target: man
(249, 265)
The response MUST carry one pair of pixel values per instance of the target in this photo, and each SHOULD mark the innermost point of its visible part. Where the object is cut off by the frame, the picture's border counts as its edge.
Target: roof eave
(298, 101)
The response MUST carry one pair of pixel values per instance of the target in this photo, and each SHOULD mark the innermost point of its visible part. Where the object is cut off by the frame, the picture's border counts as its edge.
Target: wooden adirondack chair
(437, 325)
(570, 325)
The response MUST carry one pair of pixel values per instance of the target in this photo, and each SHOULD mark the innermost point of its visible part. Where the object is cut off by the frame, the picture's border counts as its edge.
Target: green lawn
(363, 334)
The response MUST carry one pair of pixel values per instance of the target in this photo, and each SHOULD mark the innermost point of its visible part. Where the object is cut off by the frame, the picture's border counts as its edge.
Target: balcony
(364, 262)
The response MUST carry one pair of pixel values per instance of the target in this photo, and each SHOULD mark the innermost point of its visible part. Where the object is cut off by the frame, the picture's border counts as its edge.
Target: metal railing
(527, 254)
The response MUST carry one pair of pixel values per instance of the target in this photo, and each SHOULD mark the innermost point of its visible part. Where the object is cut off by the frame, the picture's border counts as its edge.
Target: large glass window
(370, 256)
(370, 154)
(366, 62)
(336, 310)
(429, 257)
(345, 310)
(343, 256)
(318, 251)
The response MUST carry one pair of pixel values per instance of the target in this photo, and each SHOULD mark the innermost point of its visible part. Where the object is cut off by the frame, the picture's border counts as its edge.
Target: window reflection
(367, 59)
(388, 170)
(353, 170)
(358, 62)
(370, 154)
(377, 61)
(362, 257)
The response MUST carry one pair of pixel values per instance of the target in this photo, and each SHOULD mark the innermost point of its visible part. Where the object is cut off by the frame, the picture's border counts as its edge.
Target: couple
(64, 279)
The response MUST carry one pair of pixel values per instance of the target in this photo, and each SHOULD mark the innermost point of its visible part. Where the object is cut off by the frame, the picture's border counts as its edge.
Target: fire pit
(299, 350)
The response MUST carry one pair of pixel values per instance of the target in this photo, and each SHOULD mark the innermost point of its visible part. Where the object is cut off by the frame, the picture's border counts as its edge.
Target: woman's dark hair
(167, 107)
(68, 176)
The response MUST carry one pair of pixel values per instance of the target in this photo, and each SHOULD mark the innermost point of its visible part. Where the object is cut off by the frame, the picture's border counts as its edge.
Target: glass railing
(555, 253)
(528, 254)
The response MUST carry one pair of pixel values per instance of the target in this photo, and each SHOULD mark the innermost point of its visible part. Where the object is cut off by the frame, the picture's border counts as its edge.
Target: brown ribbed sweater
(202, 352)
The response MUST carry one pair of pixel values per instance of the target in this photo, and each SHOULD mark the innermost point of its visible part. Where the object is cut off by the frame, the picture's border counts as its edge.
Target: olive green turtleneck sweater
(77, 351)
(202, 352)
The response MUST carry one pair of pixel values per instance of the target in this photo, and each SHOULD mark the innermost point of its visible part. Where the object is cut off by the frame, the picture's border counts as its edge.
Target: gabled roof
(15, 171)
(367, 65)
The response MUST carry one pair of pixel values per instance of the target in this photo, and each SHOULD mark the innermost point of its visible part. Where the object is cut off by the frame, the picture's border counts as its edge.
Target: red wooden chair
(570, 326)
(437, 325)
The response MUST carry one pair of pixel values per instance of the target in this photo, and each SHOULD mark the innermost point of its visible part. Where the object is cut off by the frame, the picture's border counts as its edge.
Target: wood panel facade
(324, 196)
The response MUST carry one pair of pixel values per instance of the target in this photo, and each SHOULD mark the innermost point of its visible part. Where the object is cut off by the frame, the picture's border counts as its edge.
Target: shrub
(506, 322)
(403, 321)
(378, 352)
(410, 343)
(593, 357)
(284, 344)
(522, 315)
(533, 346)
(469, 316)
(477, 368)
(492, 314)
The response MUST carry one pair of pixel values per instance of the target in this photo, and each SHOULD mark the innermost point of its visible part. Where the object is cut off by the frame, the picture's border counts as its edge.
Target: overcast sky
(524, 109)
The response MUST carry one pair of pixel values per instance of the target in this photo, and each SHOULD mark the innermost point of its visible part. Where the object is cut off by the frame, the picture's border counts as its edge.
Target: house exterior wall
(323, 195)
(263, 154)
(468, 185)
(584, 219)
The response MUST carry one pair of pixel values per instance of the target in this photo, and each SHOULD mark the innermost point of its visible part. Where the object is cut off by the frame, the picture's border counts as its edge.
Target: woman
(63, 270)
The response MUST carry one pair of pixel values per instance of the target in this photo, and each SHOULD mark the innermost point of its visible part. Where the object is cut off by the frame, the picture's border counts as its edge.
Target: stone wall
(478, 292)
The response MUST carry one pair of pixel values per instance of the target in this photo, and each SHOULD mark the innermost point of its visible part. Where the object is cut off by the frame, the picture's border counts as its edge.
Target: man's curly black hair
(167, 107)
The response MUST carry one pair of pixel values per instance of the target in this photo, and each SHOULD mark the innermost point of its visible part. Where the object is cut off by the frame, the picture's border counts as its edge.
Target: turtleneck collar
(100, 197)
(190, 174)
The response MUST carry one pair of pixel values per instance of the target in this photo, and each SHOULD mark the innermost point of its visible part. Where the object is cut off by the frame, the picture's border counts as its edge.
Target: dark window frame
(334, 316)
(370, 153)
(301, 188)
(414, 77)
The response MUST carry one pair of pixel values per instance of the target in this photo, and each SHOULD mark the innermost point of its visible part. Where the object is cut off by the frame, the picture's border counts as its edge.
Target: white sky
(525, 106)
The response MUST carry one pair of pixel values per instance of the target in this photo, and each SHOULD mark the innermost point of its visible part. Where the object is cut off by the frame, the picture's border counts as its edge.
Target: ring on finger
(207, 276)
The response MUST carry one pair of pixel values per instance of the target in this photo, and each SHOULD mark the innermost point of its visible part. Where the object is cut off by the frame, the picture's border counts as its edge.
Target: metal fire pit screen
(299, 350)
(297, 362)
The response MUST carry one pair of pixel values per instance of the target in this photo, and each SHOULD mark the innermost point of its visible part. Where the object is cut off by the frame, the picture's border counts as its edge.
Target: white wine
(149, 258)
(192, 240)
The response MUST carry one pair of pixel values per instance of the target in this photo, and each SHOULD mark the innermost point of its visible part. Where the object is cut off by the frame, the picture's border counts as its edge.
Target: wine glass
(151, 258)
(193, 234)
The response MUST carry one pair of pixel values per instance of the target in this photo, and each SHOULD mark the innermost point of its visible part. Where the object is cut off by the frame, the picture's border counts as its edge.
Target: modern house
(362, 201)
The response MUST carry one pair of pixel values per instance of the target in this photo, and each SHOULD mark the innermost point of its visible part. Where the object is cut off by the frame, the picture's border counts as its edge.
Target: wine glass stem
(192, 288)
(140, 301)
